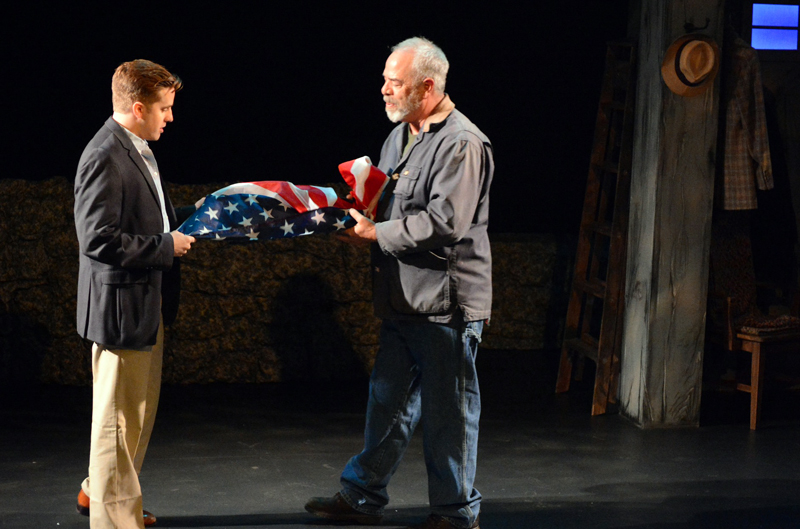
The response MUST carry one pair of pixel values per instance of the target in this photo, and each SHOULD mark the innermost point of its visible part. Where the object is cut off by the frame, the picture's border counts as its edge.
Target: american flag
(277, 210)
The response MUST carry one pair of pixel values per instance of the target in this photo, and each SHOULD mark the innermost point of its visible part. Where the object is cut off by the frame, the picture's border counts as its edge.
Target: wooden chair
(758, 345)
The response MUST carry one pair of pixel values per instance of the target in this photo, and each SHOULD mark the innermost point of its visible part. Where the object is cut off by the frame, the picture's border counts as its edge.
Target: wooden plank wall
(670, 227)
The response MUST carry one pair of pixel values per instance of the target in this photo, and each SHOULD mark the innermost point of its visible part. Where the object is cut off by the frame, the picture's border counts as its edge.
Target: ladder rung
(614, 105)
(595, 287)
(620, 44)
(608, 167)
(603, 228)
(589, 350)
(622, 67)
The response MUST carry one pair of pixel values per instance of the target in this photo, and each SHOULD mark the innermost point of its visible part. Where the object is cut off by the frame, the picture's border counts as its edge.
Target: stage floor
(250, 456)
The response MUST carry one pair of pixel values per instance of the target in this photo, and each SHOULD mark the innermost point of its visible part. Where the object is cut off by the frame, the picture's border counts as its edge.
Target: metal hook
(690, 27)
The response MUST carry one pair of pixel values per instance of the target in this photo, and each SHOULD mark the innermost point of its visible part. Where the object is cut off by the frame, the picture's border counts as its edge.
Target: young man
(432, 284)
(128, 278)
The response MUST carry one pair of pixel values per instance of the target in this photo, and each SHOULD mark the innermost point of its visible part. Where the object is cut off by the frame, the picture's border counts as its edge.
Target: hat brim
(670, 75)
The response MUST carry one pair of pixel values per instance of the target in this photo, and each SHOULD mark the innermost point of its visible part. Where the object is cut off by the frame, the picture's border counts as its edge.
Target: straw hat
(690, 65)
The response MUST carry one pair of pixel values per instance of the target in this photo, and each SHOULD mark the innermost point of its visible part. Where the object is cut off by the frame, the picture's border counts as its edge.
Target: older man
(431, 266)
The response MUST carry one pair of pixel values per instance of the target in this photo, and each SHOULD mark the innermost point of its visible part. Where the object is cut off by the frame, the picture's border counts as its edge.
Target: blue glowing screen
(775, 15)
(774, 39)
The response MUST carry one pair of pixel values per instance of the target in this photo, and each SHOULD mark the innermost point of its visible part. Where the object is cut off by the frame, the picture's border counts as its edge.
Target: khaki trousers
(126, 388)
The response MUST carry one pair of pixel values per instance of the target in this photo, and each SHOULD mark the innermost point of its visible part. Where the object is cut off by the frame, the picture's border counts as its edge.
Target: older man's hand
(362, 233)
(364, 228)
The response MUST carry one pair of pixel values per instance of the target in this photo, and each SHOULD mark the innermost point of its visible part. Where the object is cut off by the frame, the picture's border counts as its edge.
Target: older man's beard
(412, 104)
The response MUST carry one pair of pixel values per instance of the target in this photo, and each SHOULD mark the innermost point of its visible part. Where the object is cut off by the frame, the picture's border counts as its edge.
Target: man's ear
(137, 109)
(428, 83)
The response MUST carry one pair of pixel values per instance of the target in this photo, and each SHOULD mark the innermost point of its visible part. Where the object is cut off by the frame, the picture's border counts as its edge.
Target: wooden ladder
(593, 327)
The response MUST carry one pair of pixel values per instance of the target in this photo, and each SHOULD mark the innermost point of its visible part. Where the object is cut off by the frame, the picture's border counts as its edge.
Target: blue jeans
(424, 372)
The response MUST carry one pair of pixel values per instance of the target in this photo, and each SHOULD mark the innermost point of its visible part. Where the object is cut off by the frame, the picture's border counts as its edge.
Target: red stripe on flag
(285, 191)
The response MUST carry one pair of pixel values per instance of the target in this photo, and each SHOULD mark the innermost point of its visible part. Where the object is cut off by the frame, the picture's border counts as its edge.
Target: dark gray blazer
(126, 259)
(433, 258)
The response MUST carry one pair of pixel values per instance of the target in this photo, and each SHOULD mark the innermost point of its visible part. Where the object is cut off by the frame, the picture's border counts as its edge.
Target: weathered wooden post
(670, 226)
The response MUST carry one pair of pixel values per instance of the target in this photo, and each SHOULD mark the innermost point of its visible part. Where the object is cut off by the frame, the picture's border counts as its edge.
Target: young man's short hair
(140, 80)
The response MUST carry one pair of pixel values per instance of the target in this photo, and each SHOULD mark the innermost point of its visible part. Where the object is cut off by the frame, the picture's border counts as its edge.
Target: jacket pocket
(130, 293)
(406, 182)
(421, 284)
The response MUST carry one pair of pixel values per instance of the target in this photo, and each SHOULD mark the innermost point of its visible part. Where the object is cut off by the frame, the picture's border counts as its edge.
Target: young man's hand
(182, 243)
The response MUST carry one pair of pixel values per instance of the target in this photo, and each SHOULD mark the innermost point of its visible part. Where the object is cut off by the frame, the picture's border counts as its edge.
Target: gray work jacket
(433, 259)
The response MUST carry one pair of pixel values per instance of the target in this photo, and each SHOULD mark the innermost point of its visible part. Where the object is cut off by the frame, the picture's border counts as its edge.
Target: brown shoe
(340, 511)
(150, 519)
(435, 521)
(83, 503)
(83, 508)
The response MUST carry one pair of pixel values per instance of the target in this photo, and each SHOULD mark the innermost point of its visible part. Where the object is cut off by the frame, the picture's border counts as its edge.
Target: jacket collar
(134, 155)
(440, 113)
(435, 120)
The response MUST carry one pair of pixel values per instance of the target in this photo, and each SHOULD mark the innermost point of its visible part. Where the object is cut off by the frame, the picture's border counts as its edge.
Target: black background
(288, 91)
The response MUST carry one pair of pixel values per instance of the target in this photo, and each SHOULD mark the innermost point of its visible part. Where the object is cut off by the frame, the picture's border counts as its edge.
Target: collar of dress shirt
(138, 142)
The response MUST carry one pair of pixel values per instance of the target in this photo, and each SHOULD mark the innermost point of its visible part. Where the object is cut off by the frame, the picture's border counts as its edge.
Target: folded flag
(276, 210)
(366, 181)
